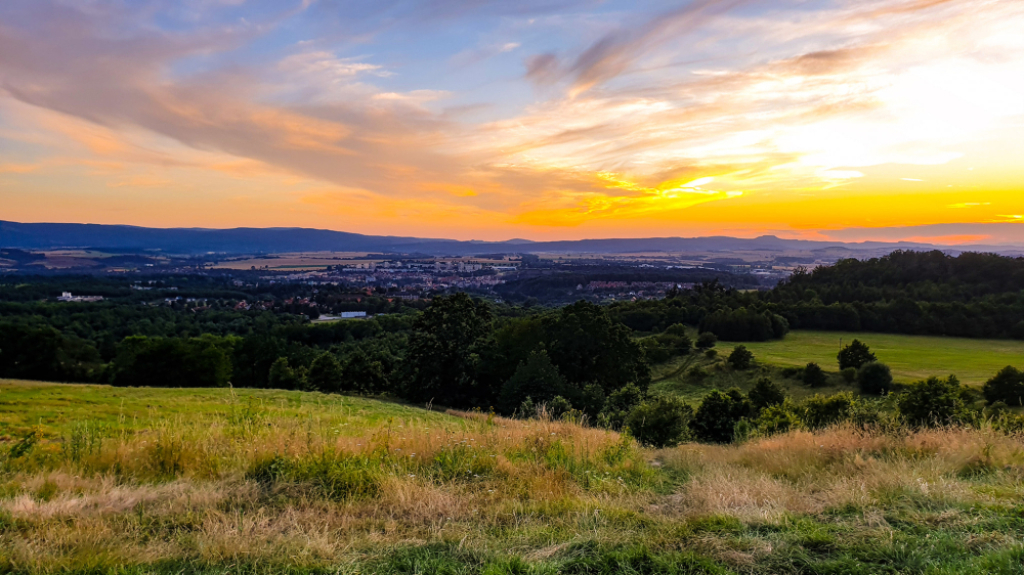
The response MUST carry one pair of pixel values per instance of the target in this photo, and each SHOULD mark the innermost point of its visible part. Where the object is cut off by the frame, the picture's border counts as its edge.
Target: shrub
(697, 372)
(619, 404)
(715, 419)
(559, 406)
(874, 378)
(855, 355)
(820, 411)
(792, 372)
(849, 374)
(933, 402)
(706, 341)
(1007, 386)
(711, 353)
(660, 422)
(741, 357)
(765, 394)
(779, 418)
(814, 376)
(677, 329)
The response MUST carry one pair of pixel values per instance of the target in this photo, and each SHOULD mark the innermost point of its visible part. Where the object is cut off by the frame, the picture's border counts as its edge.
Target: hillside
(214, 481)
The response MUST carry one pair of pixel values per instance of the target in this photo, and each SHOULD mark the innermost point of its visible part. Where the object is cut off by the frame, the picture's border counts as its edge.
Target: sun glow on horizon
(829, 116)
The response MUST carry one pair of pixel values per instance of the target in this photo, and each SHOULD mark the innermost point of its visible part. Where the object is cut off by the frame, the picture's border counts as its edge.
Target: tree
(588, 347)
(173, 362)
(325, 374)
(855, 355)
(1007, 386)
(660, 422)
(365, 373)
(741, 358)
(536, 378)
(282, 376)
(814, 376)
(715, 419)
(30, 353)
(765, 394)
(874, 378)
(933, 402)
(444, 351)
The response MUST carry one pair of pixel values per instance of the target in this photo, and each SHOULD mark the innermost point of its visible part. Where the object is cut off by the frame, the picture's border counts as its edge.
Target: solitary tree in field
(874, 378)
(855, 355)
(741, 357)
(1007, 386)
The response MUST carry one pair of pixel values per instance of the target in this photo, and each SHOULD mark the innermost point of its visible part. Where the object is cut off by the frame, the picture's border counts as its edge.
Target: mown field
(95, 479)
(911, 358)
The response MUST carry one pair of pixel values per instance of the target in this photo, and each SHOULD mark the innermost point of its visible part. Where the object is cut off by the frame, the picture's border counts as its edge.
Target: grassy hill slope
(130, 481)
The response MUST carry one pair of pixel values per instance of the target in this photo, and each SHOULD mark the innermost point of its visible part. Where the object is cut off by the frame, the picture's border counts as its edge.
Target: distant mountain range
(45, 236)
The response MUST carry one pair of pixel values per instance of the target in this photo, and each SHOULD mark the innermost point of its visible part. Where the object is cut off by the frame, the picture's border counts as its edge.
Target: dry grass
(311, 491)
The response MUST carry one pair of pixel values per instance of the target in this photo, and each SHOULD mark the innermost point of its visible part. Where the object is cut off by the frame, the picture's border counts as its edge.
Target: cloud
(773, 102)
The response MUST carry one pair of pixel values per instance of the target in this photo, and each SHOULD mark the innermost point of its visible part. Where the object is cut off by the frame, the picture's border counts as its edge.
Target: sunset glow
(544, 119)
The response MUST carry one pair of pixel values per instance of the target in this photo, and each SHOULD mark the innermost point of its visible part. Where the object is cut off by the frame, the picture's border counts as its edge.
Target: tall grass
(322, 489)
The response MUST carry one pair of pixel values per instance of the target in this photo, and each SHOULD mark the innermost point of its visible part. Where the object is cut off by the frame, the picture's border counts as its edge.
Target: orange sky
(552, 120)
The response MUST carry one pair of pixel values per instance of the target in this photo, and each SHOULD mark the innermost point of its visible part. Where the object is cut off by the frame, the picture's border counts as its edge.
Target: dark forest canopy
(922, 293)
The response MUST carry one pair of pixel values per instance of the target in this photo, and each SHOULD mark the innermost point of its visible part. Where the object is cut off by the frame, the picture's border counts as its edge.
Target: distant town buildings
(67, 296)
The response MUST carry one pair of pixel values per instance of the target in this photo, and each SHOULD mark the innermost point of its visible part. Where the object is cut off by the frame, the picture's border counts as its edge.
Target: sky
(844, 120)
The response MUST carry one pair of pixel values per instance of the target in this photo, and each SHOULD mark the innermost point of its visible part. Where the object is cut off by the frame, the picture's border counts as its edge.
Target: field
(95, 479)
(911, 358)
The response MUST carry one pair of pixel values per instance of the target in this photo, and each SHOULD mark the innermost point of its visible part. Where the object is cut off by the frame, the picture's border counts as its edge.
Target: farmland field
(911, 357)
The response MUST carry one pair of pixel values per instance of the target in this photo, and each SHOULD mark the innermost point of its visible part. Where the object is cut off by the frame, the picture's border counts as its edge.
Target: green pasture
(53, 408)
(911, 357)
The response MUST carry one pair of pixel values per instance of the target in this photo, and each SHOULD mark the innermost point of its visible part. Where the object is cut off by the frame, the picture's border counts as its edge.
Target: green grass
(53, 408)
(256, 481)
(911, 357)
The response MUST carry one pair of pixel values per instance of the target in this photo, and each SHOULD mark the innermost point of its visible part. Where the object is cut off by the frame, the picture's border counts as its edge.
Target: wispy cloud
(622, 104)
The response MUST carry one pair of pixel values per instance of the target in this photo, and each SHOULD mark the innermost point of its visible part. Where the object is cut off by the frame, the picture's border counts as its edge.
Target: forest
(465, 352)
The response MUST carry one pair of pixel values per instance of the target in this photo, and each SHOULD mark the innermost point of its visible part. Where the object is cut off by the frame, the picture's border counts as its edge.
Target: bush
(779, 418)
(933, 402)
(706, 341)
(1007, 386)
(814, 376)
(819, 411)
(711, 353)
(765, 394)
(874, 378)
(715, 419)
(661, 422)
(855, 355)
(697, 372)
(741, 357)
(849, 374)
(793, 372)
(619, 404)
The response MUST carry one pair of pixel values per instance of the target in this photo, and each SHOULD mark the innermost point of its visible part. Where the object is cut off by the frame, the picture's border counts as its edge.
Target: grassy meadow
(911, 357)
(95, 479)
